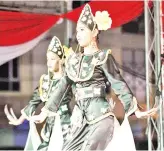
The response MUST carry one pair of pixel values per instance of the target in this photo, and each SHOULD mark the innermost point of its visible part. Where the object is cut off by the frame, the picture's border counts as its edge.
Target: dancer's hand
(38, 118)
(13, 120)
(146, 114)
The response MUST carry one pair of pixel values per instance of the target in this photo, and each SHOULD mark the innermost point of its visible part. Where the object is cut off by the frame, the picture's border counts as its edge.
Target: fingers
(8, 115)
(12, 113)
(146, 114)
(12, 118)
(6, 110)
(149, 114)
(152, 114)
(154, 110)
(11, 123)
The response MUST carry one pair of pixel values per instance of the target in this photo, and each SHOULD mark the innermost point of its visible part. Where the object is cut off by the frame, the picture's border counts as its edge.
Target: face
(52, 62)
(84, 35)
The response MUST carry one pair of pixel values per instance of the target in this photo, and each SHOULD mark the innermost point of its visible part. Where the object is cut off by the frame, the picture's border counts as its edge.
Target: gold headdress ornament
(56, 47)
(67, 51)
(101, 19)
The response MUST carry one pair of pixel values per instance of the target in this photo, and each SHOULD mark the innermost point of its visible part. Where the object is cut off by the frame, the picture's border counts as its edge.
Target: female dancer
(94, 72)
(48, 85)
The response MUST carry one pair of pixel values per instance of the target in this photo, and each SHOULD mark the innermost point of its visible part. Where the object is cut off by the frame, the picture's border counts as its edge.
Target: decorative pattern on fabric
(82, 69)
(90, 92)
(35, 100)
(87, 18)
(47, 86)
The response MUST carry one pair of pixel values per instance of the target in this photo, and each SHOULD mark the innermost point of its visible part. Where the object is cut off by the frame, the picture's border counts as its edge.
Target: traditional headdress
(56, 47)
(101, 19)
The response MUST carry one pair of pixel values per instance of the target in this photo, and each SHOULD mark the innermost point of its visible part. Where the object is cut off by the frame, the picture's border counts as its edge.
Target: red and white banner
(19, 30)
(10, 52)
(18, 27)
(121, 12)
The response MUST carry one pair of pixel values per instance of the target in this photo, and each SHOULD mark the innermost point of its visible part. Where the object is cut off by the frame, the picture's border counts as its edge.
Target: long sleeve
(68, 97)
(32, 105)
(119, 86)
(58, 96)
(64, 106)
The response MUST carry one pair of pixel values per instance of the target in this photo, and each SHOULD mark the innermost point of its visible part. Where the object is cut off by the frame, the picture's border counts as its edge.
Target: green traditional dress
(92, 121)
(41, 95)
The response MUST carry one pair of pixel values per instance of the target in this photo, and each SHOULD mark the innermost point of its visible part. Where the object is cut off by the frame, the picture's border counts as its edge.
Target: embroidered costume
(47, 86)
(94, 75)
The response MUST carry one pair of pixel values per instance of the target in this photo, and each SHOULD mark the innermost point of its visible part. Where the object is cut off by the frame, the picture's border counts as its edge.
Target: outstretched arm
(13, 120)
(27, 112)
(52, 106)
(122, 90)
(35, 100)
(58, 96)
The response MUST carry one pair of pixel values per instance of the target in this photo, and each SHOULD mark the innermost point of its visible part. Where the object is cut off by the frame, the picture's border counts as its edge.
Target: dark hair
(97, 38)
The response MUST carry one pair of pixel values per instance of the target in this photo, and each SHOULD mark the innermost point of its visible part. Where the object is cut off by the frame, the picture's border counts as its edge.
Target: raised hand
(146, 114)
(13, 120)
